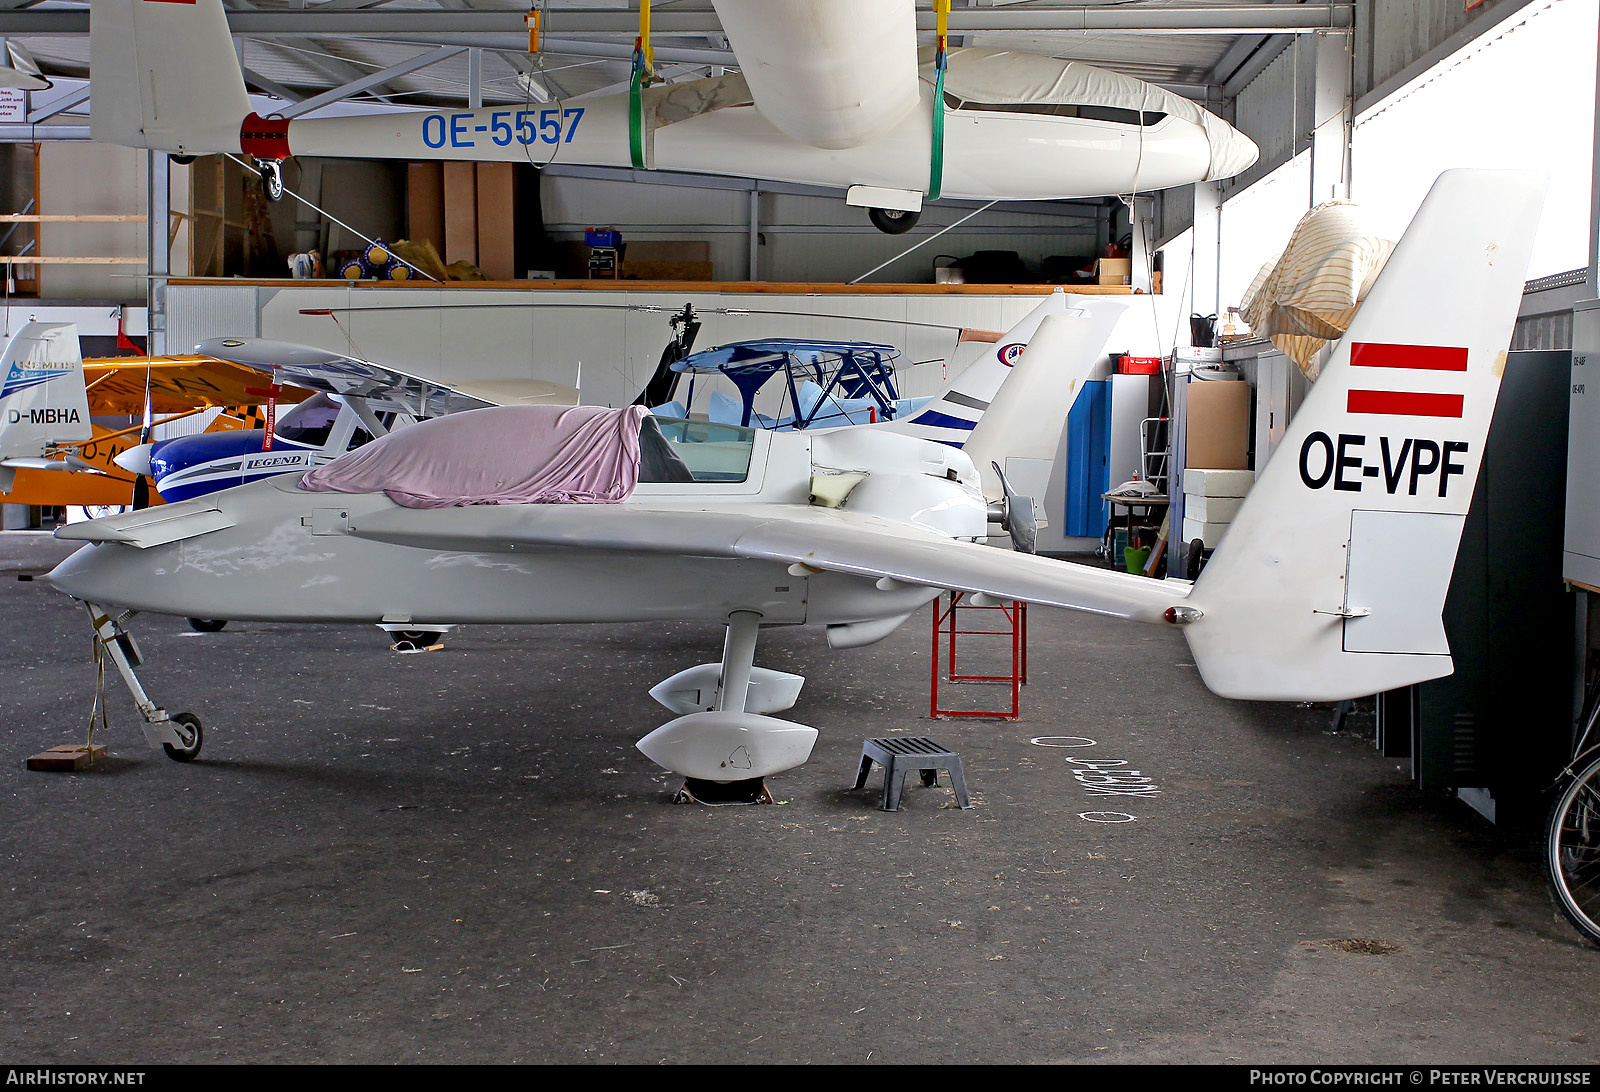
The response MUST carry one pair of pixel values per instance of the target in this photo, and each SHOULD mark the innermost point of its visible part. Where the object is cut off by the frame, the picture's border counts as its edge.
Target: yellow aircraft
(176, 386)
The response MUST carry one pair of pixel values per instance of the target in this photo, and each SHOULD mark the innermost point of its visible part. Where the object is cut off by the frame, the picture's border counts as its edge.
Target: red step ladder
(1006, 621)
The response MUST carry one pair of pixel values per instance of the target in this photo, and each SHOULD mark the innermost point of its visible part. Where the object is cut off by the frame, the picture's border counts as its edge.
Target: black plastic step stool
(899, 756)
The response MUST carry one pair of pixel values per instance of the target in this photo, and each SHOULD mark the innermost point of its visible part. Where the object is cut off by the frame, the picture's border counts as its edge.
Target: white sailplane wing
(383, 388)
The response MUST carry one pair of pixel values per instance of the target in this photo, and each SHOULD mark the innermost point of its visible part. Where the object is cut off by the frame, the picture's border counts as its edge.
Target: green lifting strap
(636, 112)
(936, 168)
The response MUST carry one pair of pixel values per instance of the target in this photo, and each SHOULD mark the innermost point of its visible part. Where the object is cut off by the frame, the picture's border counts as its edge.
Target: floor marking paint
(1105, 777)
(1106, 816)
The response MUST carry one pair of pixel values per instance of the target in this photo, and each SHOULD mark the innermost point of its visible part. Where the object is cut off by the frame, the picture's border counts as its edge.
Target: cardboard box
(667, 260)
(1113, 271)
(1217, 425)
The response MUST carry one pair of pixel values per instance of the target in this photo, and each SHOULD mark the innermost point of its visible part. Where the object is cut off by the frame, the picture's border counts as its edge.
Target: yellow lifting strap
(644, 38)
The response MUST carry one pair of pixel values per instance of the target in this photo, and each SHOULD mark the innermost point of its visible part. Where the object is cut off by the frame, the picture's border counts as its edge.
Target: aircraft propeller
(1016, 516)
(663, 384)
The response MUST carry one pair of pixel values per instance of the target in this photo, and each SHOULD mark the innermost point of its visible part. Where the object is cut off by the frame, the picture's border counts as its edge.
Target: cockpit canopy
(537, 455)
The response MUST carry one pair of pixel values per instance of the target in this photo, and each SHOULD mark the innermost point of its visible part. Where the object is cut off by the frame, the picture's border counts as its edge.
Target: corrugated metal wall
(1174, 214)
(806, 238)
(195, 313)
(1544, 321)
(1275, 110)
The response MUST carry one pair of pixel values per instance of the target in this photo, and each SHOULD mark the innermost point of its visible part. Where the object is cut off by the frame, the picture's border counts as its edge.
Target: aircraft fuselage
(287, 554)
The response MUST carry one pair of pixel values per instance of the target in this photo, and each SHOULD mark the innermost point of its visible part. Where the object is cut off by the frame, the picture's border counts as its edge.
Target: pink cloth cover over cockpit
(499, 455)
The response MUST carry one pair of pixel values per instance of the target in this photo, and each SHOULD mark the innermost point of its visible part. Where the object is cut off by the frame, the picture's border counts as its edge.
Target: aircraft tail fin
(43, 401)
(164, 76)
(950, 417)
(1021, 429)
(1331, 580)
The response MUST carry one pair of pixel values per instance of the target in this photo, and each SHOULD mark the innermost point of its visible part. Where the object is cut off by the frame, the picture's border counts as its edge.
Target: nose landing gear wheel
(187, 726)
(893, 221)
(207, 625)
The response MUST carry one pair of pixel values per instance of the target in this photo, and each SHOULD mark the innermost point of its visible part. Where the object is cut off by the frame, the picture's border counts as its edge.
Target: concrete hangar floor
(459, 857)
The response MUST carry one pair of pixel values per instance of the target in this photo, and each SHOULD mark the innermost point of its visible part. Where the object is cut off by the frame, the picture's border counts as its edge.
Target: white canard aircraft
(1330, 585)
(831, 93)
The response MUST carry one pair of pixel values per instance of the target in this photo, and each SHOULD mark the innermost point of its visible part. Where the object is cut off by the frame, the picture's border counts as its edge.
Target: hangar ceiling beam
(318, 54)
(256, 80)
(516, 59)
(347, 5)
(1183, 19)
(1251, 47)
(355, 87)
(34, 134)
(57, 105)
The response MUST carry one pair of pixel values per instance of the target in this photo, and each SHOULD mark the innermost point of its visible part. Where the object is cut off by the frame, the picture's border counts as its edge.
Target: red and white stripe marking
(1426, 358)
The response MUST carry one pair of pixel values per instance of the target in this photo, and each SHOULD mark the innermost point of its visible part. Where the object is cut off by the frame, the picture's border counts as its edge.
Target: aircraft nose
(76, 575)
(136, 459)
(1231, 150)
(105, 573)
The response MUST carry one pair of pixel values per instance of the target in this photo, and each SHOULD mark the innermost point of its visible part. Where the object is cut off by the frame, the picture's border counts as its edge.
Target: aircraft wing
(384, 389)
(176, 384)
(880, 548)
(149, 527)
(828, 540)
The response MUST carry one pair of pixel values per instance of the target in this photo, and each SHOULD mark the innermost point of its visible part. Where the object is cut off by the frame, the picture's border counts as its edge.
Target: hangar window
(1060, 110)
(1521, 96)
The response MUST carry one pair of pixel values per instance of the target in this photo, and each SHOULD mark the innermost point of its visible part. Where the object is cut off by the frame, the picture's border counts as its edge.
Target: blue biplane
(825, 383)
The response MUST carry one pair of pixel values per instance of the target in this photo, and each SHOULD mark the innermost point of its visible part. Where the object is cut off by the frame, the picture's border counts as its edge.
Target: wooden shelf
(65, 259)
(71, 218)
(797, 288)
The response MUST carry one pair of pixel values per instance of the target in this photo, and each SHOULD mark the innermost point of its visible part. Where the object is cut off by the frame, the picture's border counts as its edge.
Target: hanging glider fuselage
(1016, 126)
(988, 153)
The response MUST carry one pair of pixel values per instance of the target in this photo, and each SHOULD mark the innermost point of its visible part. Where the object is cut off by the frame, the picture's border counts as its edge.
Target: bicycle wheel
(1572, 851)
